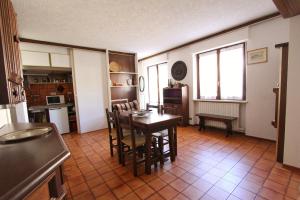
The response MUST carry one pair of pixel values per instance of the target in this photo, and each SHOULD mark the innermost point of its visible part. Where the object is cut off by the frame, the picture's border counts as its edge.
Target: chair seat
(163, 133)
(114, 133)
(139, 140)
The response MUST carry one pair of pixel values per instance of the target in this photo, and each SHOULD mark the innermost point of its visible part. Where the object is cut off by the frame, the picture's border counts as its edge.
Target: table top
(153, 119)
(24, 165)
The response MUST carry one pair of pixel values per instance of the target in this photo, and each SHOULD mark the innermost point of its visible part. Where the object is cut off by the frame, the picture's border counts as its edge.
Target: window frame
(158, 86)
(218, 50)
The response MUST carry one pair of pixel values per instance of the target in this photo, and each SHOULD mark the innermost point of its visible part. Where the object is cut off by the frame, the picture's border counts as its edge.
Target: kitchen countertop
(24, 165)
(44, 107)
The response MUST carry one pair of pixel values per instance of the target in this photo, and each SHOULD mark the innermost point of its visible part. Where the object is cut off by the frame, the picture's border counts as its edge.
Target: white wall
(186, 54)
(257, 114)
(261, 78)
(90, 89)
(292, 125)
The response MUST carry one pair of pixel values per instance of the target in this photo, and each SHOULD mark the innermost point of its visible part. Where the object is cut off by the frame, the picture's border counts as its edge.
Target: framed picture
(257, 56)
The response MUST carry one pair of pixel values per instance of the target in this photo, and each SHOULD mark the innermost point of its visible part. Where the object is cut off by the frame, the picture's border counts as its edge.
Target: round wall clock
(179, 70)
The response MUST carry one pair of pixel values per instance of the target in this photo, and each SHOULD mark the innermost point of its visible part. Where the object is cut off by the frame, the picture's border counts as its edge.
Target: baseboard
(235, 131)
(268, 140)
(291, 167)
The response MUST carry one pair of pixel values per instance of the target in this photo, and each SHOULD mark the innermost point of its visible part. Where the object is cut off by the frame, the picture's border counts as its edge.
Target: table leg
(229, 128)
(200, 127)
(171, 143)
(201, 123)
(148, 152)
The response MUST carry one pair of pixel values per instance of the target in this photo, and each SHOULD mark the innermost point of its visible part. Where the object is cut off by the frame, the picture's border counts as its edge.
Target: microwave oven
(55, 99)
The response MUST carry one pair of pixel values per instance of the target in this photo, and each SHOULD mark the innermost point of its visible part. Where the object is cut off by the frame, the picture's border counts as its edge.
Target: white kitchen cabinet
(34, 58)
(60, 60)
(59, 116)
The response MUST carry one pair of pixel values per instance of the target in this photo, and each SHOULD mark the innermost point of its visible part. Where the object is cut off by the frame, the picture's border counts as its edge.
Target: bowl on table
(140, 113)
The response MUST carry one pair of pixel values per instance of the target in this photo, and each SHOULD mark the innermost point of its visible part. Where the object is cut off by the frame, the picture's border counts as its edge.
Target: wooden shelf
(122, 86)
(123, 73)
(173, 98)
(49, 83)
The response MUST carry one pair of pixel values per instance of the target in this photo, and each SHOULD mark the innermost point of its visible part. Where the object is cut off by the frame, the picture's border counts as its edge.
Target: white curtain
(208, 75)
(163, 79)
(153, 85)
(231, 72)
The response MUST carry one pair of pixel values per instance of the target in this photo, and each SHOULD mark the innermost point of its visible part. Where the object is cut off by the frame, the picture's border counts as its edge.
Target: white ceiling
(142, 26)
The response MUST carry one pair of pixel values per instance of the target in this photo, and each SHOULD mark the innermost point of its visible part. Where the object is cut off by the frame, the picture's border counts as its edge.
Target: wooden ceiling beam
(60, 44)
(288, 8)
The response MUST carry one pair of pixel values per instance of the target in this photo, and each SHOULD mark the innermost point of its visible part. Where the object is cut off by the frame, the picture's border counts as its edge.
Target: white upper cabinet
(44, 55)
(60, 60)
(34, 58)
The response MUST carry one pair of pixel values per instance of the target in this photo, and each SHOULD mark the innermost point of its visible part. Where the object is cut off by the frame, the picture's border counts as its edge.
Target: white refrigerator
(59, 116)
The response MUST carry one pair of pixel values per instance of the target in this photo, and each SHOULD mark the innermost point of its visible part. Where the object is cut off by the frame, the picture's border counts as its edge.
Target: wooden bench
(227, 120)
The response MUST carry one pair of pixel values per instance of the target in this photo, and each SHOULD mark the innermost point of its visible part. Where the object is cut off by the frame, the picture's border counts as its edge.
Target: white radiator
(227, 109)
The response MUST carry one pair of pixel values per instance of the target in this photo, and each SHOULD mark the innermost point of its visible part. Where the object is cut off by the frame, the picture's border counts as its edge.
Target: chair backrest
(110, 120)
(127, 106)
(125, 122)
(159, 108)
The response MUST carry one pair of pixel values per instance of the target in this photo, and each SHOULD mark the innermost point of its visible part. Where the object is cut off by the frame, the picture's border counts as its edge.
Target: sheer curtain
(208, 75)
(231, 72)
(157, 83)
(153, 85)
(163, 79)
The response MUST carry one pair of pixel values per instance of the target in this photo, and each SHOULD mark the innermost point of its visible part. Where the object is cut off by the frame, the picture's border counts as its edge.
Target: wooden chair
(156, 107)
(113, 143)
(134, 142)
(162, 137)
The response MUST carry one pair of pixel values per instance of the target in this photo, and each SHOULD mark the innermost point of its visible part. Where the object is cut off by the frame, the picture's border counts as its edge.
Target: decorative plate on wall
(141, 83)
(179, 70)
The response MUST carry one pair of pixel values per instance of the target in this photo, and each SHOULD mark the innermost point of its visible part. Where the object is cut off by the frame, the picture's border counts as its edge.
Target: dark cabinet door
(11, 82)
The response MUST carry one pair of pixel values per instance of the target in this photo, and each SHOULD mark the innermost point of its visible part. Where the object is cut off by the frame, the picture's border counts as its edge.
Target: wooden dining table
(154, 122)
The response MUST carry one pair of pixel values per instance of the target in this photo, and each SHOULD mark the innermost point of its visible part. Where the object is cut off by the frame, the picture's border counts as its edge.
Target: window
(221, 73)
(157, 80)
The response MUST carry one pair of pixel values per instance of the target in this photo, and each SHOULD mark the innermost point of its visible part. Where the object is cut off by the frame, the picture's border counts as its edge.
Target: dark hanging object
(60, 88)
(179, 70)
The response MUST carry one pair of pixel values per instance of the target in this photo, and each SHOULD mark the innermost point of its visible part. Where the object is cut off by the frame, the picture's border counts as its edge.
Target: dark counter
(24, 165)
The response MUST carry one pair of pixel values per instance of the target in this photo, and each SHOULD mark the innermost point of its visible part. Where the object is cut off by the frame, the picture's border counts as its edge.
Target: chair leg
(134, 164)
(175, 140)
(161, 149)
(111, 146)
(155, 154)
(119, 149)
(122, 155)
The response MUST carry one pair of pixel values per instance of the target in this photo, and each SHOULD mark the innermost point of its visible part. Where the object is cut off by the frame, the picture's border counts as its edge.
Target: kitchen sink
(26, 134)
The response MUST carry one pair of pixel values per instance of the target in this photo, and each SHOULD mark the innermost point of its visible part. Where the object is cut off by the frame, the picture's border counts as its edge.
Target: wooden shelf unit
(176, 101)
(128, 70)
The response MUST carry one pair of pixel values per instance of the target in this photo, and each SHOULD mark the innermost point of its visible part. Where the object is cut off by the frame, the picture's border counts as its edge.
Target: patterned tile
(209, 166)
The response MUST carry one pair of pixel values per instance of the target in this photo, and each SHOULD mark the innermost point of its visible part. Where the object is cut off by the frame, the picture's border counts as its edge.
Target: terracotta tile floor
(208, 166)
